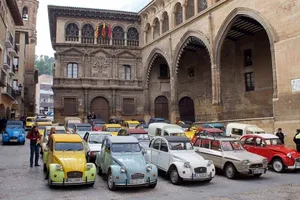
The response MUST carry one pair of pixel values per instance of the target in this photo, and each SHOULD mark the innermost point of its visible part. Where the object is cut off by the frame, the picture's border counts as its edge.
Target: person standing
(281, 135)
(93, 116)
(34, 137)
(297, 140)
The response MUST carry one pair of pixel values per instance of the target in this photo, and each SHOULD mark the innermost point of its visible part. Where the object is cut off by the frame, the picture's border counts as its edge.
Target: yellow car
(113, 129)
(46, 132)
(41, 124)
(30, 122)
(131, 124)
(65, 162)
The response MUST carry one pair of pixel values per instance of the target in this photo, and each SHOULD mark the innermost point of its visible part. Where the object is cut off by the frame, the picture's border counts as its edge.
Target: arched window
(165, 22)
(132, 37)
(72, 70)
(88, 34)
(148, 33)
(72, 32)
(25, 13)
(156, 28)
(126, 73)
(118, 36)
(103, 36)
(202, 5)
(178, 14)
(190, 9)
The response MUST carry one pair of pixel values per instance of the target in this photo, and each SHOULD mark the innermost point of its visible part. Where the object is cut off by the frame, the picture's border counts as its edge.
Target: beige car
(228, 154)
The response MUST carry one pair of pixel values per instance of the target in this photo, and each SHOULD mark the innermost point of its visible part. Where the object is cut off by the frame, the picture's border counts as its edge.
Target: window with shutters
(72, 70)
(70, 106)
(128, 106)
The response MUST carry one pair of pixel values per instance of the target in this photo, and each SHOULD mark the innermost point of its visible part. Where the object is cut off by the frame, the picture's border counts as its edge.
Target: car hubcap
(174, 176)
(277, 166)
(110, 181)
(229, 171)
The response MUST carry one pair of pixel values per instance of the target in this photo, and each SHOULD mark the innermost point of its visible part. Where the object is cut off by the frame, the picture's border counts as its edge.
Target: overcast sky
(44, 44)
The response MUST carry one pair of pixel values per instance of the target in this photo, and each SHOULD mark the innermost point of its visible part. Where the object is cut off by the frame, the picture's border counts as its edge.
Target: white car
(93, 143)
(176, 156)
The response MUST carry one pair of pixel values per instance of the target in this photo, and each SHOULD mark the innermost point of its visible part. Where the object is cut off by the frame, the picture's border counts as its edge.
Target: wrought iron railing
(10, 91)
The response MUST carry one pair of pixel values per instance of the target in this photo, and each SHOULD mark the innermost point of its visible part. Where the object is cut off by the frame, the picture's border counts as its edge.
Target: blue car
(14, 132)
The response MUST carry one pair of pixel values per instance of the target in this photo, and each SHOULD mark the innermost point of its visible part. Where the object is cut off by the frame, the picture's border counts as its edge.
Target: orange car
(207, 131)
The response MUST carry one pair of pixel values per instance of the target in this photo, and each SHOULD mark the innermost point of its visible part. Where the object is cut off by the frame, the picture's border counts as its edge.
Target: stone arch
(90, 23)
(2, 111)
(72, 22)
(178, 14)
(116, 25)
(100, 106)
(132, 26)
(187, 38)
(153, 55)
(187, 109)
(222, 32)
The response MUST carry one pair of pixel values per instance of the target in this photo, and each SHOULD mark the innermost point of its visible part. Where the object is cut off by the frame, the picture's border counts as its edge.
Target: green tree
(44, 64)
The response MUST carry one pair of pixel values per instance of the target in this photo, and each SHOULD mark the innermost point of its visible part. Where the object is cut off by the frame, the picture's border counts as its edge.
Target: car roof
(157, 125)
(112, 125)
(56, 127)
(136, 131)
(98, 121)
(215, 124)
(176, 138)
(66, 138)
(132, 121)
(221, 138)
(265, 136)
(239, 125)
(213, 130)
(82, 124)
(123, 139)
(98, 132)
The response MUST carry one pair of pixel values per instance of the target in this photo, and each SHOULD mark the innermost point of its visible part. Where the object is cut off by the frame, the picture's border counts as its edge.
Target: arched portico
(100, 106)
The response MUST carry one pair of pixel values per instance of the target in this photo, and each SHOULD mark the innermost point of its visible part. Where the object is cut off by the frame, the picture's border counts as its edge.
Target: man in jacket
(280, 134)
(297, 140)
(34, 137)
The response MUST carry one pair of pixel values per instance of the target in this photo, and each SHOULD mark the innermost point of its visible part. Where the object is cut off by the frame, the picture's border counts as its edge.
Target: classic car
(45, 137)
(69, 123)
(164, 129)
(177, 157)
(14, 132)
(93, 143)
(215, 125)
(122, 160)
(81, 128)
(141, 121)
(157, 120)
(139, 134)
(131, 124)
(41, 123)
(228, 154)
(270, 146)
(65, 162)
(97, 124)
(143, 126)
(30, 122)
(206, 131)
(238, 130)
(112, 128)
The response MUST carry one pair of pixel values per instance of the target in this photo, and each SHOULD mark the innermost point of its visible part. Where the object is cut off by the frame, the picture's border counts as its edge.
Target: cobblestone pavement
(19, 182)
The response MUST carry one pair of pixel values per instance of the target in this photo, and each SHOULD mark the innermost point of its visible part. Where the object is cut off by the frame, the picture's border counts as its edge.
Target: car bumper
(69, 184)
(127, 184)
(194, 178)
(13, 140)
(253, 171)
(295, 166)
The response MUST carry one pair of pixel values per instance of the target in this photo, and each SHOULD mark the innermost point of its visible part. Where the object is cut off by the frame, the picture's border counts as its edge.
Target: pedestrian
(297, 140)
(52, 131)
(34, 137)
(89, 116)
(93, 116)
(281, 135)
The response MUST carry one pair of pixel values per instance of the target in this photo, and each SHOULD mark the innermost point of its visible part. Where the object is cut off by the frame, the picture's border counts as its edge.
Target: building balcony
(18, 92)
(9, 42)
(90, 83)
(13, 51)
(7, 63)
(9, 92)
(11, 73)
(2, 79)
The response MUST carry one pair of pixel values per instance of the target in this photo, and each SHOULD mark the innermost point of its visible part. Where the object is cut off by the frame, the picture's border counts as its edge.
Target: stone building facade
(202, 60)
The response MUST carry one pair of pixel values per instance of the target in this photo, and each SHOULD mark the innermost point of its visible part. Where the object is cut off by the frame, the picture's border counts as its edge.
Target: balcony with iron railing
(13, 51)
(9, 92)
(9, 42)
(7, 63)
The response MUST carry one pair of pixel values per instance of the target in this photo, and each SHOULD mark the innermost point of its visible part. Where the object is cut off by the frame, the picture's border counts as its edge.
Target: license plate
(13, 140)
(137, 181)
(74, 180)
(258, 171)
(297, 164)
(199, 175)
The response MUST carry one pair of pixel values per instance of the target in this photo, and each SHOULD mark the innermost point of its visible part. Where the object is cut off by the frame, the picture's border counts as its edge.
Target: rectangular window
(72, 71)
(127, 72)
(249, 81)
(248, 57)
(128, 106)
(15, 84)
(163, 71)
(70, 106)
(16, 64)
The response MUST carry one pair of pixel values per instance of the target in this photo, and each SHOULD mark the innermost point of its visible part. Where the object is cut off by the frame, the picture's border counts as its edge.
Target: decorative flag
(109, 31)
(104, 30)
(97, 32)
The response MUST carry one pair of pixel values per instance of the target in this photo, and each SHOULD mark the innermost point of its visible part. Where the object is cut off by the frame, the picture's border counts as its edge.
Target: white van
(238, 130)
(164, 129)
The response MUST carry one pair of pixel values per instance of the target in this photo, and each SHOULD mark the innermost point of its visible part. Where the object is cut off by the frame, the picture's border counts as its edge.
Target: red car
(97, 125)
(207, 131)
(270, 146)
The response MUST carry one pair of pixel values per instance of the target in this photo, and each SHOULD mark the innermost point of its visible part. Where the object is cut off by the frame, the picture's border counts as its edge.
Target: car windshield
(231, 145)
(14, 126)
(273, 141)
(98, 124)
(29, 120)
(112, 129)
(84, 128)
(141, 136)
(71, 125)
(222, 128)
(180, 146)
(177, 134)
(68, 146)
(125, 147)
(95, 139)
(56, 132)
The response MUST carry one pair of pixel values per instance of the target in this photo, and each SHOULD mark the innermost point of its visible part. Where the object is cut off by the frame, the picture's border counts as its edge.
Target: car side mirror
(144, 151)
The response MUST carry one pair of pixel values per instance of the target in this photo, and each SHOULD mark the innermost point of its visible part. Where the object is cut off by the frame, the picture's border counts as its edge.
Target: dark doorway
(2, 111)
(100, 107)
(162, 107)
(187, 109)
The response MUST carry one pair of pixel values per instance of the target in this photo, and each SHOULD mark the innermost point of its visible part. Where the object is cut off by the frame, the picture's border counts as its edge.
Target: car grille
(74, 174)
(297, 159)
(200, 170)
(137, 176)
(256, 166)
(13, 138)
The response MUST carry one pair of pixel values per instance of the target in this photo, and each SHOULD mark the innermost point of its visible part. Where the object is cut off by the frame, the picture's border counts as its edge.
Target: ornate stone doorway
(100, 107)
(187, 109)
(162, 107)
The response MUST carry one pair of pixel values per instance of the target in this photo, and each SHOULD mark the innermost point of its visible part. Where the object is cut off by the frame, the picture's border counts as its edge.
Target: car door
(249, 144)
(107, 158)
(50, 152)
(261, 148)
(163, 155)
(86, 142)
(102, 157)
(216, 153)
(155, 151)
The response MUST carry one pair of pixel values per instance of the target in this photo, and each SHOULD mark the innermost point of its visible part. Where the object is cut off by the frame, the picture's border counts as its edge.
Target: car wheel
(99, 171)
(153, 185)
(257, 175)
(110, 182)
(230, 171)
(278, 165)
(174, 177)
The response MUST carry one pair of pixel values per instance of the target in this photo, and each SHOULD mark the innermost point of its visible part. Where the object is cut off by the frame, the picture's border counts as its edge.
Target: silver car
(228, 154)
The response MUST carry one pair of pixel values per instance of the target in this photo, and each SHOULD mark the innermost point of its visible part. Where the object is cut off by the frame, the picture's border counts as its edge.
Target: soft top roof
(265, 136)
(136, 131)
(66, 138)
(82, 124)
(212, 130)
(123, 139)
(177, 139)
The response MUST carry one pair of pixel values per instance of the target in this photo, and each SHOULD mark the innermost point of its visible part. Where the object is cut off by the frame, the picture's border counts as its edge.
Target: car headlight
(265, 162)
(89, 166)
(5, 134)
(187, 164)
(289, 155)
(245, 162)
(209, 163)
(149, 168)
(123, 169)
(58, 167)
